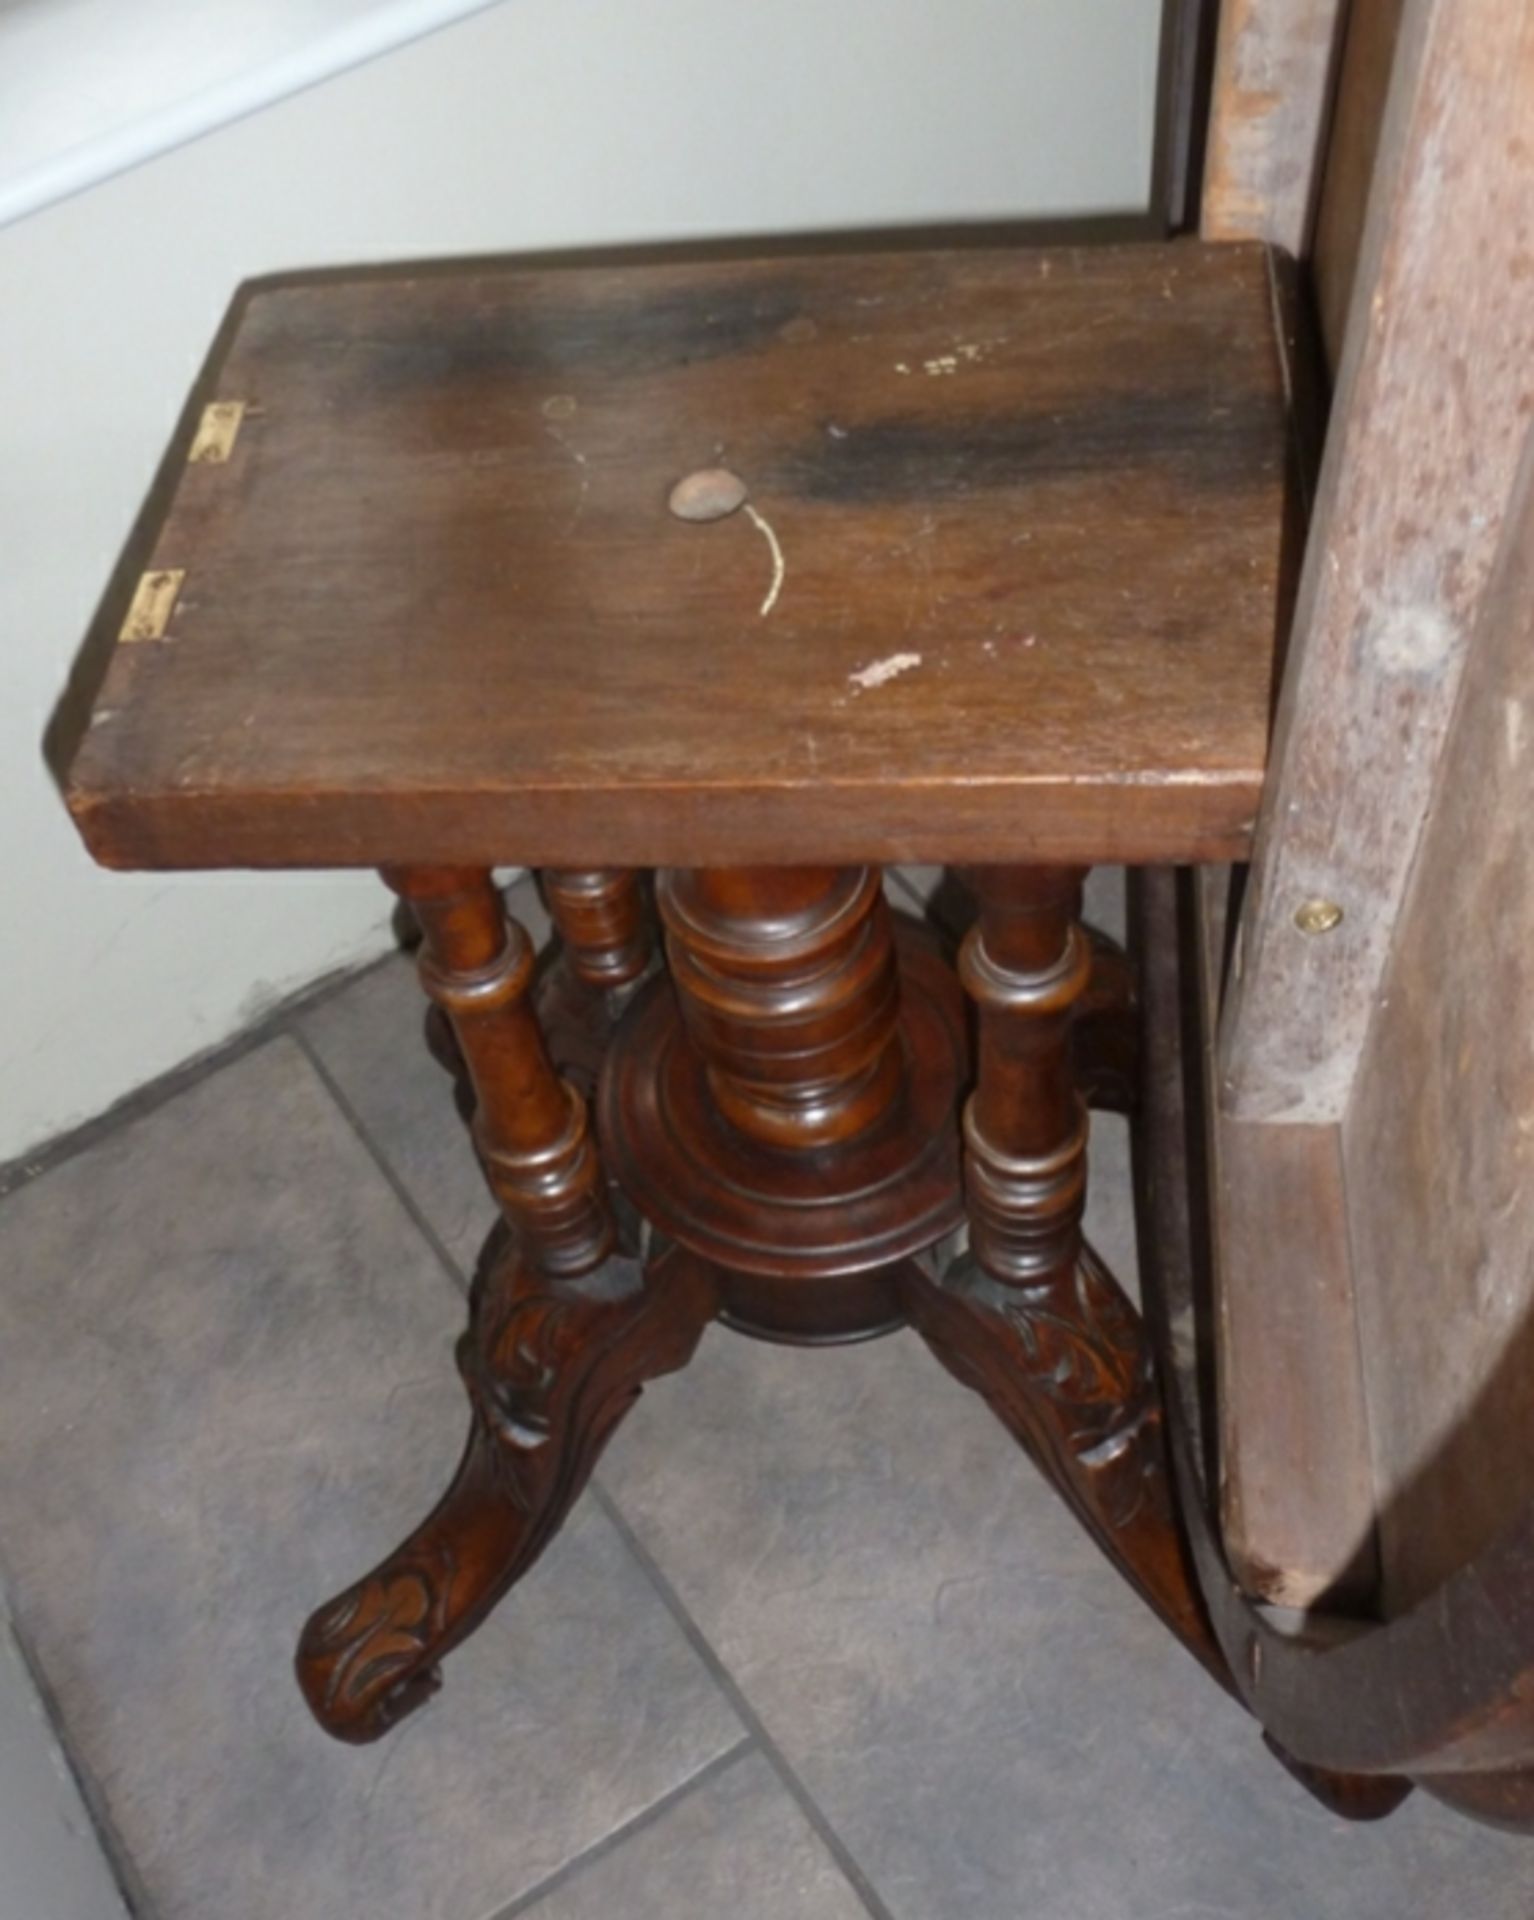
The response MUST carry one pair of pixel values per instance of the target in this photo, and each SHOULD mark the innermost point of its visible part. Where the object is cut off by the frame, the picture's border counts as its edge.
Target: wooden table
(1003, 593)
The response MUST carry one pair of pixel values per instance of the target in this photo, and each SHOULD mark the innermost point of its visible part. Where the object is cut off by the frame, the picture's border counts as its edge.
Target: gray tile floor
(818, 1643)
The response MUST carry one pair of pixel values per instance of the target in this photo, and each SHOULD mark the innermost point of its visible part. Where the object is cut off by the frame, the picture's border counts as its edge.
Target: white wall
(527, 126)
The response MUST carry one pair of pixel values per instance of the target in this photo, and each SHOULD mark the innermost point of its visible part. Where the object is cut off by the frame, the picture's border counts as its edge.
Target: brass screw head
(1318, 916)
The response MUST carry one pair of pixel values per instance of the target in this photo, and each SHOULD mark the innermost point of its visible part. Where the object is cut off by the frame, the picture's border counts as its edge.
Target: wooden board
(1431, 402)
(1440, 1136)
(1352, 147)
(1445, 1687)
(1295, 1466)
(1296, 1484)
(1272, 79)
(1012, 589)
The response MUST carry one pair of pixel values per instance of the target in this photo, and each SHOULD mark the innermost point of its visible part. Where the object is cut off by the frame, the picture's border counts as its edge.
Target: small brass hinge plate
(153, 602)
(213, 441)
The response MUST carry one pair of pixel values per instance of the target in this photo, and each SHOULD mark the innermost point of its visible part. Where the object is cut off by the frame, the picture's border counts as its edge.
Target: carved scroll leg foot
(551, 1369)
(1351, 1796)
(1064, 1366)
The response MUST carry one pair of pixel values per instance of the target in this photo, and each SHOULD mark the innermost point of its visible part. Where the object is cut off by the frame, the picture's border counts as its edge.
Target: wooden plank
(1297, 1481)
(1273, 63)
(1351, 149)
(1008, 584)
(1439, 1691)
(1296, 1478)
(1431, 400)
(1440, 1136)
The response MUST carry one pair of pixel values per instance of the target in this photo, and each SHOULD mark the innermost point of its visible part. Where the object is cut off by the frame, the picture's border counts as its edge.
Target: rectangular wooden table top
(1007, 585)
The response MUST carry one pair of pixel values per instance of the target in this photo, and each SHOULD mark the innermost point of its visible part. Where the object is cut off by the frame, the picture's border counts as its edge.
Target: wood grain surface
(1439, 1141)
(1363, 81)
(1006, 583)
(1432, 401)
(1268, 119)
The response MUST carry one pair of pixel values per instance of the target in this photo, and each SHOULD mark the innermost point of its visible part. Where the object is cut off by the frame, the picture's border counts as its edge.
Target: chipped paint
(1411, 639)
(1512, 730)
(779, 565)
(574, 452)
(880, 672)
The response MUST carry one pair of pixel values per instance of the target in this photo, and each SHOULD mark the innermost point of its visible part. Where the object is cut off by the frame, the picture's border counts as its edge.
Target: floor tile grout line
(647, 1817)
(122, 1867)
(381, 1161)
(856, 1878)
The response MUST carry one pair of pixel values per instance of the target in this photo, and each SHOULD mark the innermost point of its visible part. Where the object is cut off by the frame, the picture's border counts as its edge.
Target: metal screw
(1318, 916)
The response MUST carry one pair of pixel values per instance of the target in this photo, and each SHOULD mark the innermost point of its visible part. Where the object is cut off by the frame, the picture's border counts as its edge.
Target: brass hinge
(213, 441)
(154, 600)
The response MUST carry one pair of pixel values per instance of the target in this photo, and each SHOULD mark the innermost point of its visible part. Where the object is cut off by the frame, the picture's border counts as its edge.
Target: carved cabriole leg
(550, 1369)
(563, 1334)
(1029, 1317)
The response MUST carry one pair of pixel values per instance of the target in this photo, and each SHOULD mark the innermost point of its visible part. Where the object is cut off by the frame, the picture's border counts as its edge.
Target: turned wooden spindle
(600, 917)
(1025, 964)
(1030, 1318)
(530, 1126)
(788, 988)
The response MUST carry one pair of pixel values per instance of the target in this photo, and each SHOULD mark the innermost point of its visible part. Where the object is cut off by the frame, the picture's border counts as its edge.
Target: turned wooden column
(600, 918)
(788, 988)
(1025, 964)
(530, 1126)
(784, 1103)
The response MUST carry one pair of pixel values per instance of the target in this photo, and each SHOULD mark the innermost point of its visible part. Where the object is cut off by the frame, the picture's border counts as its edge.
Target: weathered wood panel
(1296, 1486)
(1440, 1138)
(1352, 146)
(1431, 401)
(1273, 62)
(1296, 1473)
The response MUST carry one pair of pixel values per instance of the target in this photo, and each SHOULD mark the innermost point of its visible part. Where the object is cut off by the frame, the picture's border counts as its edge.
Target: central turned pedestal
(784, 1103)
(783, 1141)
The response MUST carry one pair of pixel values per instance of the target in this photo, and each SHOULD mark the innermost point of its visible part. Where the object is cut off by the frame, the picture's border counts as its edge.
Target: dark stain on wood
(559, 335)
(905, 457)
